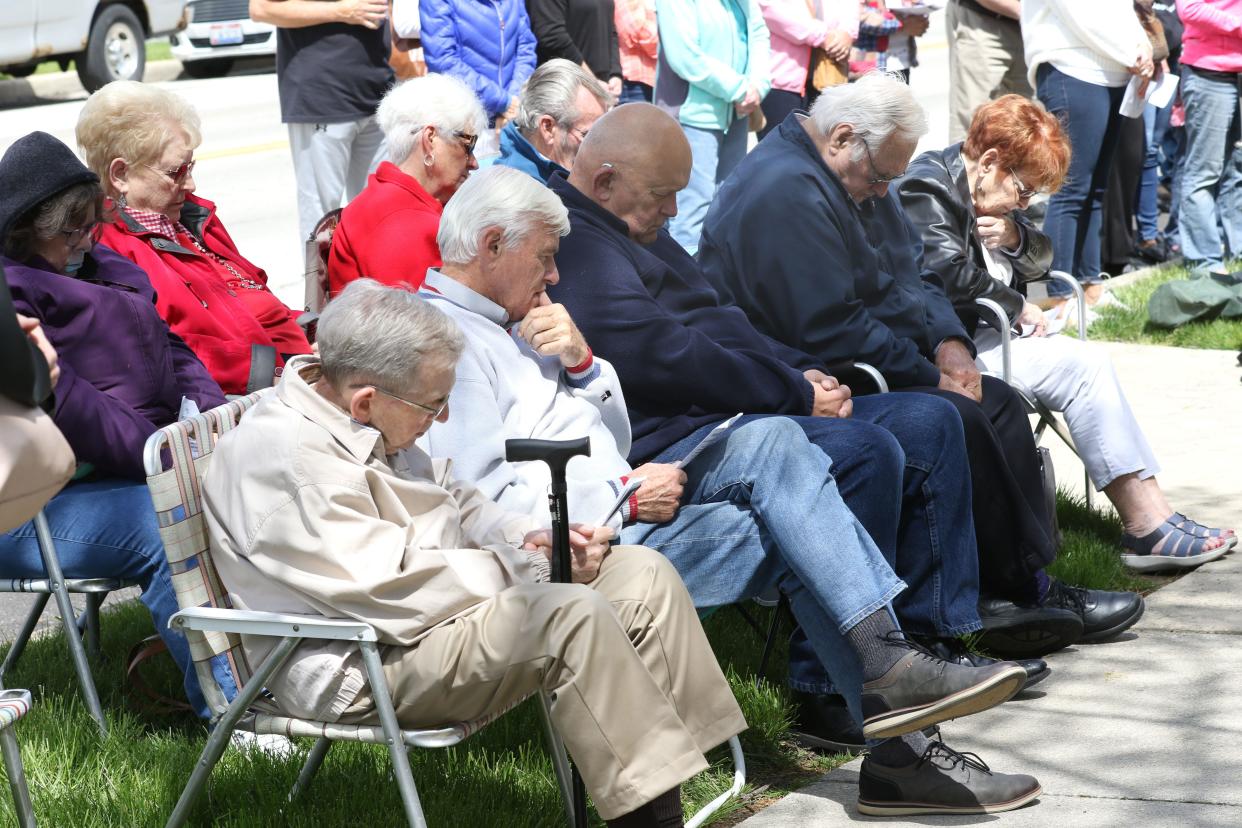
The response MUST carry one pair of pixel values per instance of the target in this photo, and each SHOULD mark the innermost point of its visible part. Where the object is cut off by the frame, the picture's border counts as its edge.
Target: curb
(55, 87)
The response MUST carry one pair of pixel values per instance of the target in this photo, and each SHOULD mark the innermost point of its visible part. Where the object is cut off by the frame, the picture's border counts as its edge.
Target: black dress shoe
(1104, 614)
(952, 649)
(941, 781)
(823, 723)
(1018, 631)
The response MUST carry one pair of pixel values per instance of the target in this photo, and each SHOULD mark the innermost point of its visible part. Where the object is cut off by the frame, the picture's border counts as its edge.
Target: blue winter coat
(517, 152)
(488, 44)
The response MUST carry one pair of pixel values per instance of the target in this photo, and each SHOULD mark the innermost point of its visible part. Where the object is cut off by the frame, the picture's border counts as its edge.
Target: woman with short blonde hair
(140, 141)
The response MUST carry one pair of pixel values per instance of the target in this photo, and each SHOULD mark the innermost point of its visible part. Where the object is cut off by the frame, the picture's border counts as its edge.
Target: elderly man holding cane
(343, 518)
(761, 507)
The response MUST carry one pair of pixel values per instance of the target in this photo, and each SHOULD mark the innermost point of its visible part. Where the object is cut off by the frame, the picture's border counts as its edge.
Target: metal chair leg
(68, 619)
(313, 762)
(93, 602)
(28, 628)
(774, 628)
(218, 740)
(17, 778)
(392, 733)
(560, 759)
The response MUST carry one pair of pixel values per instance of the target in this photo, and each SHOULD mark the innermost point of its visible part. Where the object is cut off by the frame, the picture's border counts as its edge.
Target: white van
(104, 38)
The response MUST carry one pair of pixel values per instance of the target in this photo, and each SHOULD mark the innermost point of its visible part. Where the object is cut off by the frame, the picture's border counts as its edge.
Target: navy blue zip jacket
(810, 267)
(684, 359)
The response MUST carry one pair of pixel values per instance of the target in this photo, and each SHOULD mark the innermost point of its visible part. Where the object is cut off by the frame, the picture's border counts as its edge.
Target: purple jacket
(122, 372)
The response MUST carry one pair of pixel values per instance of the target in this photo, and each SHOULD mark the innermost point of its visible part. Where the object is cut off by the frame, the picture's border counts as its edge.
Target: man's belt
(976, 7)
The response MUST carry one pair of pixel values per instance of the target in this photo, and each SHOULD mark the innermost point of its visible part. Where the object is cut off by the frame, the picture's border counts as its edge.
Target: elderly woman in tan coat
(334, 521)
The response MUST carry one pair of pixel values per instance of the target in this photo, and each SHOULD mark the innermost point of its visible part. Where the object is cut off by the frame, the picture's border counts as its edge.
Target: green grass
(157, 49)
(500, 776)
(1130, 324)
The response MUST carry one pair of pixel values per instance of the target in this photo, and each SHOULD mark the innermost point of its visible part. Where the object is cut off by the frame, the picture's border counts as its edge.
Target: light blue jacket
(719, 48)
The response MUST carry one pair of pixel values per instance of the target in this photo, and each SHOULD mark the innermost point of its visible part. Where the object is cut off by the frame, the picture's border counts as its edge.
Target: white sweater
(1095, 41)
(505, 391)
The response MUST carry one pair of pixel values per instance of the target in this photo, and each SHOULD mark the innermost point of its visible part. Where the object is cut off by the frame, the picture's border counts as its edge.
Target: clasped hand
(832, 399)
(588, 545)
(958, 372)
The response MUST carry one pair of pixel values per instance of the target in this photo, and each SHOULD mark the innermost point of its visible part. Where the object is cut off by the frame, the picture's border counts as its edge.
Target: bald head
(633, 163)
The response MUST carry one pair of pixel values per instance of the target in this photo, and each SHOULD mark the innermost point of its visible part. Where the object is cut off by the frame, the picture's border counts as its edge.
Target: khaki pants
(637, 694)
(986, 60)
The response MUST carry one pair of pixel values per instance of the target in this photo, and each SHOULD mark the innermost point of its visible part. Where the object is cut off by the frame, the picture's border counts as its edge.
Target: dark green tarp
(1208, 297)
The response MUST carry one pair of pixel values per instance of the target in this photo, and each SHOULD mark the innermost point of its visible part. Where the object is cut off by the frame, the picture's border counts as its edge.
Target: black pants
(1012, 524)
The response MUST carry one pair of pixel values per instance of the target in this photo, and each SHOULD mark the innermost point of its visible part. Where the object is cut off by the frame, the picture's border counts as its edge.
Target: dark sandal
(1178, 549)
(1194, 527)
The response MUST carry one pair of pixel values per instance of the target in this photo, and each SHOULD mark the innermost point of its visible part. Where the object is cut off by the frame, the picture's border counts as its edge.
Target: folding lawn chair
(214, 628)
(13, 705)
(95, 590)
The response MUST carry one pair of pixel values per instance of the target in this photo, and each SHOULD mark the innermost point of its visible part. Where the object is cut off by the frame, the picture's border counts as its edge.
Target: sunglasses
(468, 141)
(74, 237)
(175, 175)
(1024, 191)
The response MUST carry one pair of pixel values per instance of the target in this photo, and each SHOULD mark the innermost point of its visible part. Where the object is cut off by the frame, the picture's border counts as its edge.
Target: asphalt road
(244, 165)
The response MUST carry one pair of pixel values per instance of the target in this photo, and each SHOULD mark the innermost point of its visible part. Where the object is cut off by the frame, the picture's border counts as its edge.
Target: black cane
(557, 454)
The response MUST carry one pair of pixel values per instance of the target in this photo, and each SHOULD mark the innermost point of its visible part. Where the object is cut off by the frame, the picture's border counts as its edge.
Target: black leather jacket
(936, 196)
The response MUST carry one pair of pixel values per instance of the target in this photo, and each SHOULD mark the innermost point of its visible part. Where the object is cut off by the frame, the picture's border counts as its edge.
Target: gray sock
(902, 751)
(868, 638)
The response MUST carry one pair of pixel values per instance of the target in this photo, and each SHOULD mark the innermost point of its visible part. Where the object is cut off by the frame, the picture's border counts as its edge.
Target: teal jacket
(719, 48)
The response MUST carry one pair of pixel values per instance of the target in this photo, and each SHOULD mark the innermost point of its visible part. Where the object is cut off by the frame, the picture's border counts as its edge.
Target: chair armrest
(276, 624)
(874, 373)
(996, 317)
(1079, 294)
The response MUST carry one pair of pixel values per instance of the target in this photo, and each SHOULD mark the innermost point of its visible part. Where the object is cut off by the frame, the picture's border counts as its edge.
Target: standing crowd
(629, 267)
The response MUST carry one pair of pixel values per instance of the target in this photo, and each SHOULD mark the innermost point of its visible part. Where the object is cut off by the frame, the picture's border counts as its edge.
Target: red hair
(1029, 140)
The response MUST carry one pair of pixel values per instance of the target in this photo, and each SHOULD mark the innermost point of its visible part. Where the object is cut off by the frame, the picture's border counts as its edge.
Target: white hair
(373, 334)
(877, 105)
(432, 100)
(497, 197)
(553, 90)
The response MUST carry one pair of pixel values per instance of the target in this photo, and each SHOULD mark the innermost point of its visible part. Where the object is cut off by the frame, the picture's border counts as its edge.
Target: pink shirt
(794, 30)
(638, 39)
(1213, 35)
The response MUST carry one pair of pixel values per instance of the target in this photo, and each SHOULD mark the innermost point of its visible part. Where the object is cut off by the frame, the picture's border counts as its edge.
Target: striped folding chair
(176, 458)
(13, 705)
(75, 626)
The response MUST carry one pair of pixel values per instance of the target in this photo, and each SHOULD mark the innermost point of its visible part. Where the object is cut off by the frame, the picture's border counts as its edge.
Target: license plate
(226, 34)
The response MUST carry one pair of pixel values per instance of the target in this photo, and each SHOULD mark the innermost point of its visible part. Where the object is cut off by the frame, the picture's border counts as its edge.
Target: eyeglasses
(1024, 192)
(467, 140)
(175, 175)
(74, 237)
(434, 412)
(876, 178)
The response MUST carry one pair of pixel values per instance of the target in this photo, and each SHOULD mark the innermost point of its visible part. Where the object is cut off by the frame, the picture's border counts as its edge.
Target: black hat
(33, 170)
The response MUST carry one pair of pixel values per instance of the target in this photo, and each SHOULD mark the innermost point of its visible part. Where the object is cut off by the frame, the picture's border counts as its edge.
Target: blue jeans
(1147, 208)
(634, 92)
(1212, 176)
(1093, 124)
(715, 154)
(106, 529)
(762, 509)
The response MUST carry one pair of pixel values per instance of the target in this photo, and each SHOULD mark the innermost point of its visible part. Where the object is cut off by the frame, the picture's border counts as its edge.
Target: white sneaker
(272, 744)
(1109, 300)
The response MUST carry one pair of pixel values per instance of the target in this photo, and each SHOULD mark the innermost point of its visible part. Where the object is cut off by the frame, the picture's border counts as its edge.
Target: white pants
(1077, 378)
(331, 161)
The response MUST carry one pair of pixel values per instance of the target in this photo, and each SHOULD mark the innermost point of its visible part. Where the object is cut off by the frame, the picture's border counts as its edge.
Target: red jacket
(387, 233)
(218, 317)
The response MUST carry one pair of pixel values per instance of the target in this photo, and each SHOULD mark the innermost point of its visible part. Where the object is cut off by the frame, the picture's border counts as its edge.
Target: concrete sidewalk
(1146, 729)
